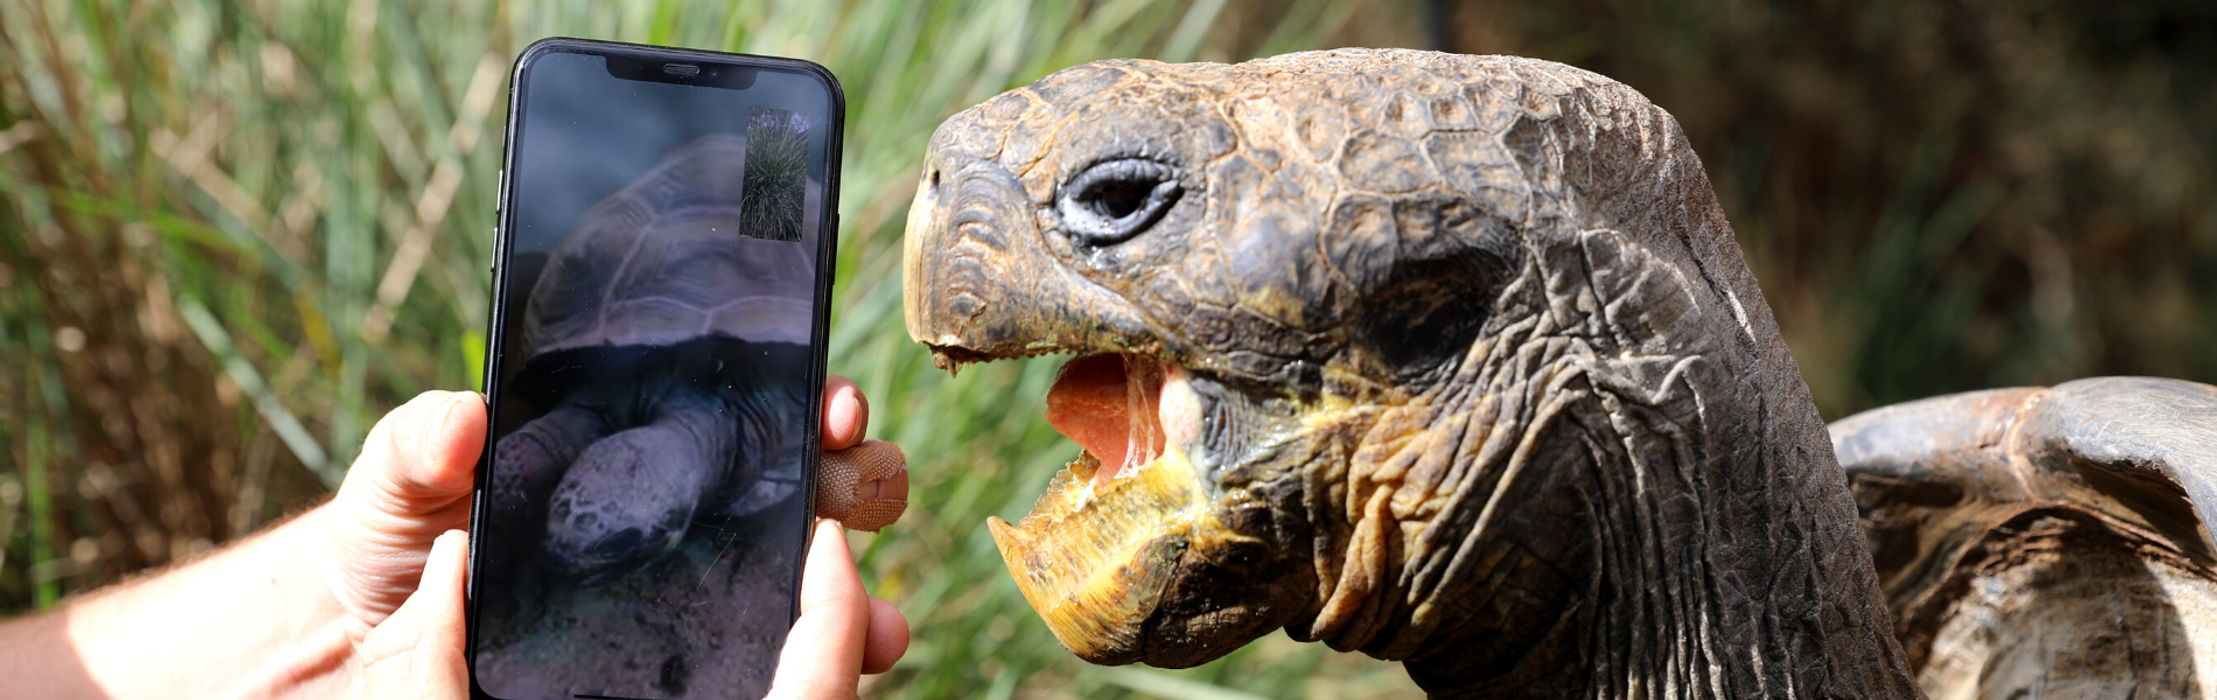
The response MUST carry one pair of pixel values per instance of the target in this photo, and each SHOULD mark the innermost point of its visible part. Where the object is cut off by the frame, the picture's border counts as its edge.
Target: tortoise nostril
(931, 188)
(618, 545)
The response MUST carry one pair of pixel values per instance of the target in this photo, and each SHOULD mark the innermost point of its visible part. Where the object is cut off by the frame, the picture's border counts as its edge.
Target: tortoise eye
(1115, 200)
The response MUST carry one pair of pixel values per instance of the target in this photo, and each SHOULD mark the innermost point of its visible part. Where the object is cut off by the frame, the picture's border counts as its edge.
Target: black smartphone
(655, 371)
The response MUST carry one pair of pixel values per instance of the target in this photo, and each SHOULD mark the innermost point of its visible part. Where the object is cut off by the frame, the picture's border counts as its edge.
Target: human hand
(413, 481)
(416, 650)
(842, 632)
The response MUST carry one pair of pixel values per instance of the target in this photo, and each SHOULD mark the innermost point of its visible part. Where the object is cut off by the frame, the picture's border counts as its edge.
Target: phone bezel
(826, 263)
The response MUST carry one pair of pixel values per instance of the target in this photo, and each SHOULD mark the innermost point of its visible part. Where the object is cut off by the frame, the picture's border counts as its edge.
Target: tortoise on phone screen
(661, 337)
(1452, 360)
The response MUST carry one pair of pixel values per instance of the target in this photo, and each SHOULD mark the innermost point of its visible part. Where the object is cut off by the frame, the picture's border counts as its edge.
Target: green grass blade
(281, 419)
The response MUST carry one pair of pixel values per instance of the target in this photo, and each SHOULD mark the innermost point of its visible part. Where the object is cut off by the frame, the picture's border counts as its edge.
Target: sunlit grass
(234, 235)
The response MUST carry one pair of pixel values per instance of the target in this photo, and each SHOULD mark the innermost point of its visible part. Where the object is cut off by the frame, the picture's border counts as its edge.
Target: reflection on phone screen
(645, 514)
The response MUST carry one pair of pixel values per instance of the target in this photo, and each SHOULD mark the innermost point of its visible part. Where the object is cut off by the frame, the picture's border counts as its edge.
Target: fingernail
(849, 405)
(435, 437)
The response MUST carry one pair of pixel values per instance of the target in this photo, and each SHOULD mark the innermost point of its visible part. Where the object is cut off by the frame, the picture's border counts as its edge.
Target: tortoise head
(1349, 326)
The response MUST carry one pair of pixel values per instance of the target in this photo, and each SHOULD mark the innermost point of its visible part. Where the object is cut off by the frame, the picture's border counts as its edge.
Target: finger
(424, 453)
(411, 483)
(888, 637)
(864, 487)
(418, 651)
(846, 413)
(824, 651)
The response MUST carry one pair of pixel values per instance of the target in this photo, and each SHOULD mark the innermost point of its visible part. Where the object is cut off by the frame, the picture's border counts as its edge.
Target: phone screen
(655, 375)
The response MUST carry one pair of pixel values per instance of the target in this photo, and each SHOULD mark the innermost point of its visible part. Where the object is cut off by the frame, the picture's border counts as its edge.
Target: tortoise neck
(1679, 562)
(1602, 506)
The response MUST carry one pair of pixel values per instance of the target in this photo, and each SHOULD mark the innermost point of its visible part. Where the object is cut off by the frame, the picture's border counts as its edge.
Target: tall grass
(777, 176)
(1937, 197)
(233, 234)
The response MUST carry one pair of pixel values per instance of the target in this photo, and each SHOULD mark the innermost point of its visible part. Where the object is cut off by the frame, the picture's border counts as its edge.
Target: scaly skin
(1484, 384)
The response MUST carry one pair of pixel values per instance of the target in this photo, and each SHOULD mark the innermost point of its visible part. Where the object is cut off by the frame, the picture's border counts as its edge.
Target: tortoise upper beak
(980, 283)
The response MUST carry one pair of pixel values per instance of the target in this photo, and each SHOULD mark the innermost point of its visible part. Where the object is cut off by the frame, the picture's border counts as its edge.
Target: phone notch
(659, 69)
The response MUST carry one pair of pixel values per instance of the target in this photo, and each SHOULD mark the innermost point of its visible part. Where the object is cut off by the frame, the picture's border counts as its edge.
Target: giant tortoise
(1453, 361)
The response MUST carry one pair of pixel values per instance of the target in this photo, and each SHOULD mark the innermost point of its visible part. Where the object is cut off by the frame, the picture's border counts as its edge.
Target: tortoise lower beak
(981, 283)
(1094, 559)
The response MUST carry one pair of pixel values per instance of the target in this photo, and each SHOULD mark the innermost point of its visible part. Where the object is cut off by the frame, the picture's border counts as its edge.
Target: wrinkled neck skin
(1597, 501)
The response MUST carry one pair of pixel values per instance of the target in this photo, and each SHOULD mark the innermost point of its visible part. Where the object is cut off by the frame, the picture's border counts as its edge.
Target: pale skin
(363, 596)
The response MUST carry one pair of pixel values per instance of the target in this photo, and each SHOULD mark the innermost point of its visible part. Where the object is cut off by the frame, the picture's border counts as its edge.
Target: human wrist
(311, 637)
(266, 596)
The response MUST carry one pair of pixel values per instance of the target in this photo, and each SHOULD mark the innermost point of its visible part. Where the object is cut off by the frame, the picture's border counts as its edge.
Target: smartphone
(654, 372)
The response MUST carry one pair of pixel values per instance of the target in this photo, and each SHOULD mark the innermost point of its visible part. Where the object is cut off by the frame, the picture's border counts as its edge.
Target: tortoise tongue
(1108, 405)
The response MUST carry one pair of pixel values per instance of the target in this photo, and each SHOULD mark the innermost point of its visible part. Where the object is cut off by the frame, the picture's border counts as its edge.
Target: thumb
(421, 455)
(411, 483)
(417, 652)
(823, 652)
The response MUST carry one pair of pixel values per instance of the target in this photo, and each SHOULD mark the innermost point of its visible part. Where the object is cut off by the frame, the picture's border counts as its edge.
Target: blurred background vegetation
(234, 234)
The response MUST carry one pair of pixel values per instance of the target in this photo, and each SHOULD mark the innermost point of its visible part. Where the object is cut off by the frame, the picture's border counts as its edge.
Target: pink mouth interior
(1107, 404)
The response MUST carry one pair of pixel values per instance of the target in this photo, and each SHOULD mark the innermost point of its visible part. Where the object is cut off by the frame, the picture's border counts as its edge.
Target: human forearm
(264, 617)
(257, 619)
(36, 661)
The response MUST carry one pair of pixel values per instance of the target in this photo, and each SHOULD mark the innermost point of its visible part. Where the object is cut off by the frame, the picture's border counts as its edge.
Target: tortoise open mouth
(1098, 548)
(1112, 406)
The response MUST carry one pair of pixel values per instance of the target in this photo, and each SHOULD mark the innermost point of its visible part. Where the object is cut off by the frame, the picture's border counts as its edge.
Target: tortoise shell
(664, 261)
